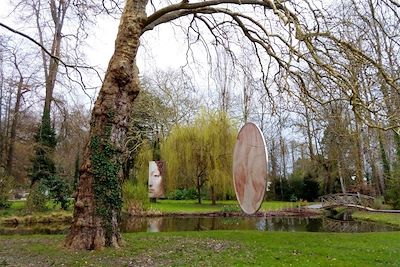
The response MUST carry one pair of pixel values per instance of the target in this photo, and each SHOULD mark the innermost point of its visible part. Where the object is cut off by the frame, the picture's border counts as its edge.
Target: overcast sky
(161, 48)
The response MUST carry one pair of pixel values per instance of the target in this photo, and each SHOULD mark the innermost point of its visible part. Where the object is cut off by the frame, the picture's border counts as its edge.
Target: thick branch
(182, 9)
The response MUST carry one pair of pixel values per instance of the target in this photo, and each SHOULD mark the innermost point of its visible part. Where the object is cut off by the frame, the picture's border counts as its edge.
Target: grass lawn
(18, 211)
(226, 248)
(391, 218)
(17, 208)
(191, 206)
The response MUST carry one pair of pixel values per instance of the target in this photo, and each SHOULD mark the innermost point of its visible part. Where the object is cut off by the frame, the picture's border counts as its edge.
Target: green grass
(191, 206)
(226, 248)
(18, 212)
(17, 208)
(390, 218)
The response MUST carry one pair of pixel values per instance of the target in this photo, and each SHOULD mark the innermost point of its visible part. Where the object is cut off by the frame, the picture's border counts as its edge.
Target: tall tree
(23, 85)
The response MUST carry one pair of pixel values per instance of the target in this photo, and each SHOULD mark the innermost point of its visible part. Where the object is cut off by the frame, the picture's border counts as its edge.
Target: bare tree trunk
(13, 131)
(292, 152)
(309, 135)
(359, 158)
(273, 174)
(198, 193)
(213, 196)
(7, 119)
(283, 155)
(198, 187)
(372, 160)
(50, 65)
(1, 106)
(339, 166)
(385, 163)
(98, 199)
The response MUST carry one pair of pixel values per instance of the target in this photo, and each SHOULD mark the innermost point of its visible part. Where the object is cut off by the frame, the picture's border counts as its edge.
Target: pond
(202, 223)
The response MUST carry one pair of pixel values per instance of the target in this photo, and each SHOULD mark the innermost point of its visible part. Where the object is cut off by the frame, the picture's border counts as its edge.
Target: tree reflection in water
(176, 224)
(288, 224)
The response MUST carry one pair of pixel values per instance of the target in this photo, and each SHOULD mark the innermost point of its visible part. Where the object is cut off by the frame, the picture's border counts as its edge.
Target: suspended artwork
(156, 183)
(250, 168)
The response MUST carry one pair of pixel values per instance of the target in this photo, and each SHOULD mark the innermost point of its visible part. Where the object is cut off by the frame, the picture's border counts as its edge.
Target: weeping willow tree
(134, 190)
(141, 164)
(200, 155)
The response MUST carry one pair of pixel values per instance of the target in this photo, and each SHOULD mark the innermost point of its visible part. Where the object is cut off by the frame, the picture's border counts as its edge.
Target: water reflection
(176, 224)
(287, 224)
(338, 226)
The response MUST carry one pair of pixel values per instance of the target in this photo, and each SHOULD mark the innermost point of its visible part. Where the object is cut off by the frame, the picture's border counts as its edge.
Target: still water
(288, 224)
(199, 223)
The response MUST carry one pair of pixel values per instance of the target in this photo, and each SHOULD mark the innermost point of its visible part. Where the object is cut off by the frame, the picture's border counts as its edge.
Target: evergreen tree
(43, 167)
(43, 174)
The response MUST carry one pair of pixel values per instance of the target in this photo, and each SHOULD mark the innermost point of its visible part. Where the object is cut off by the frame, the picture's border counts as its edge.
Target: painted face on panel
(156, 186)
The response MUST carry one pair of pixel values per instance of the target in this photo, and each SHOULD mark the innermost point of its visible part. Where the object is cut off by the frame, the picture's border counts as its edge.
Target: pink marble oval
(250, 168)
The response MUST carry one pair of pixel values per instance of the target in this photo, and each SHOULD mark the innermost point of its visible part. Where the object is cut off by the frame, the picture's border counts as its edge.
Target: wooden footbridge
(351, 200)
(347, 200)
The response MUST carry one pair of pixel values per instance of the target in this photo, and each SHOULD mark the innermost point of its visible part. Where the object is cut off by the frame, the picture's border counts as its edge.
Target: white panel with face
(156, 189)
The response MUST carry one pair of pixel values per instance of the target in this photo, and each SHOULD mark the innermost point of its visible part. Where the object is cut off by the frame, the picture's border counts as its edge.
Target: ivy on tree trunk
(98, 199)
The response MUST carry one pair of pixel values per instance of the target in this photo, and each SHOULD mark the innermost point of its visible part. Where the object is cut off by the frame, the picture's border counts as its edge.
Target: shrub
(310, 188)
(378, 203)
(5, 187)
(37, 198)
(135, 197)
(282, 190)
(59, 190)
(183, 194)
(393, 192)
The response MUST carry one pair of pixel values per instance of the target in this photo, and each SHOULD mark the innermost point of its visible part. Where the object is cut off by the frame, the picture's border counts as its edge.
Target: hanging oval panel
(250, 168)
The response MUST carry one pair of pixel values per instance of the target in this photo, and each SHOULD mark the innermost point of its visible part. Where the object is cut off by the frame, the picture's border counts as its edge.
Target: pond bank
(387, 218)
(66, 217)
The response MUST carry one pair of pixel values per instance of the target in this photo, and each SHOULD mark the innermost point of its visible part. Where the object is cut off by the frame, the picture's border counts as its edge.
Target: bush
(183, 194)
(393, 192)
(59, 190)
(135, 198)
(378, 203)
(310, 188)
(282, 189)
(6, 182)
(37, 198)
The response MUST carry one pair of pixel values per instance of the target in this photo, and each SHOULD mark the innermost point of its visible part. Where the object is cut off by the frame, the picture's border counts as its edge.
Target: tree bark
(339, 166)
(96, 217)
(309, 135)
(13, 132)
(213, 196)
(198, 187)
(358, 153)
(2, 136)
(50, 66)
